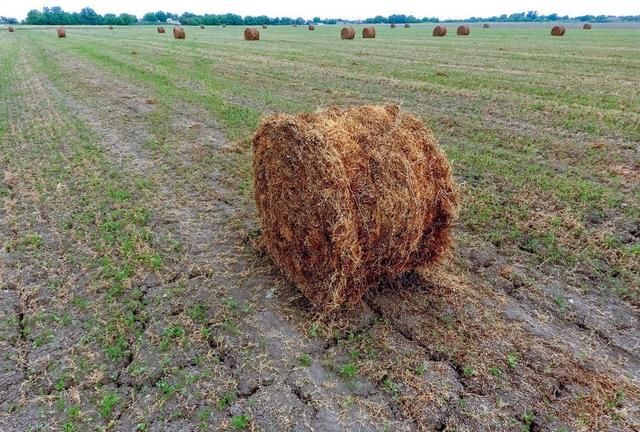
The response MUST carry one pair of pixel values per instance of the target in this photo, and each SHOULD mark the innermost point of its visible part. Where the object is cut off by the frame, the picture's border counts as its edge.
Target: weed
(107, 403)
(304, 359)
(349, 370)
(240, 422)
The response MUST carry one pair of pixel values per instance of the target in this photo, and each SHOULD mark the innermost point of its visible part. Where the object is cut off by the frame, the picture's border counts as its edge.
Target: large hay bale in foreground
(439, 30)
(178, 33)
(251, 34)
(61, 32)
(558, 30)
(463, 30)
(485, 25)
(347, 33)
(348, 197)
(11, 29)
(369, 32)
(587, 26)
(160, 29)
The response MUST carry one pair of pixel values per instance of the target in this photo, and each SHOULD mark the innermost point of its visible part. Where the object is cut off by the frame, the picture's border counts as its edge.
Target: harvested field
(135, 293)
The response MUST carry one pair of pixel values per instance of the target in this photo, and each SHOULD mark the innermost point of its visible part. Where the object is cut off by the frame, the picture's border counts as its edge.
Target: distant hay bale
(348, 197)
(61, 32)
(407, 25)
(251, 34)
(312, 27)
(11, 29)
(463, 30)
(160, 29)
(558, 30)
(201, 27)
(224, 25)
(369, 32)
(110, 27)
(347, 33)
(587, 26)
(264, 26)
(178, 33)
(485, 25)
(295, 25)
(439, 30)
(393, 25)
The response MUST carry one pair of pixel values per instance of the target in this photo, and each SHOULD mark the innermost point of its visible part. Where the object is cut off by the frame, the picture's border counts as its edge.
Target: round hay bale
(463, 30)
(264, 26)
(160, 29)
(61, 32)
(347, 33)
(110, 27)
(11, 29)
(251, 34)
(587, 26)
(312, 27)
(369, 32)
(392, 25)
(558, 30)
(346, 198)
(201, 27)
(439, 30)
(178, 33)
(485, 25)
(407, 25)
(224, 25)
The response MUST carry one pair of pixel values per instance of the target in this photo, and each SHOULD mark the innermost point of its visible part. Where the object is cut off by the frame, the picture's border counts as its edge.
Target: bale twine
(587, 26)
(160, 29)
(393, 25)
(110, 27)
(11, 29)
(485, 25)
(407, 25)
(558, 30)
(347, 33)
(439, 30)
(178, 33)
(312, 27)
(251, 34)
(463, 30)
(201, 27)
(346, 198)
(369, 32)
(61, 33)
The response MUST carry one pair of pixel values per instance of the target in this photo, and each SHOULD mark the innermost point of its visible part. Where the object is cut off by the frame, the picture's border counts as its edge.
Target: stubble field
(133, 295)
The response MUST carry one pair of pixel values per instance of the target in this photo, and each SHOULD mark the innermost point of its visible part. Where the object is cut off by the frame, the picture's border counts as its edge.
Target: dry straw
(160, 29)
(61, 33)
(558, 30)
(251, 34)
(347, 33)
(369, 32)
(178, 33)
(463, 30)
(439, 30)
(348, 197)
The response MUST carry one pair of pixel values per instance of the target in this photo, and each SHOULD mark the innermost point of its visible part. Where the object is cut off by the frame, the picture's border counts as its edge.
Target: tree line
(87, 16)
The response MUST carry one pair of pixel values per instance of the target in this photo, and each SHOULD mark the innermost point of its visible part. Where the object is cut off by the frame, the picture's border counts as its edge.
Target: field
(133, 295)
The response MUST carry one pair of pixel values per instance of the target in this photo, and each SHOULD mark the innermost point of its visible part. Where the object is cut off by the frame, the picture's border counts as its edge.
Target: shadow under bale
(440, 30)
(179, 33)
(347, 33)
(463, 30)
(251, 34)
(369, 32)
(558, 30)
(347, 197)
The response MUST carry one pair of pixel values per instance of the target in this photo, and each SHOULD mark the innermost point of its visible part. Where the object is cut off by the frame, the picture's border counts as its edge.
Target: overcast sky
(335, 8)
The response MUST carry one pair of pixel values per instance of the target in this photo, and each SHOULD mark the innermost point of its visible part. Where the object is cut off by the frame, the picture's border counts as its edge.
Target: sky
(334, 8)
